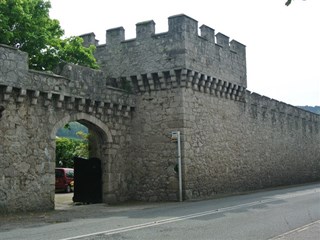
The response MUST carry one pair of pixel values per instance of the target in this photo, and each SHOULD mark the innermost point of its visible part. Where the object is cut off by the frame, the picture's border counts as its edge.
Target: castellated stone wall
(180, 47)
(232, 140)
(37, 104)
(232, 146)
(228, 146)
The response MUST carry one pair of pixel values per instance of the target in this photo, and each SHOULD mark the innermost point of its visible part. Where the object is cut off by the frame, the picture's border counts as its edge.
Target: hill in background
(71, 130)
(315, 109)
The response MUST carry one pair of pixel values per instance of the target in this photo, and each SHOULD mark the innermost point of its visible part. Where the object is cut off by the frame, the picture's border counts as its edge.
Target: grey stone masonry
(34, 105)
(233, 140)
(179, 48)
(232, 146)
(73, 84)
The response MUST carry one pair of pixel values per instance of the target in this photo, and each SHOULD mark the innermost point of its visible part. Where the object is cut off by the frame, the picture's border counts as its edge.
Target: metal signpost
(175, 136)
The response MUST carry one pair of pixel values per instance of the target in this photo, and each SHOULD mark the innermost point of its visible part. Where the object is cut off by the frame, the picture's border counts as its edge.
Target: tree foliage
(26, 24)
(288, 2)
(67, 149)
(71, 130)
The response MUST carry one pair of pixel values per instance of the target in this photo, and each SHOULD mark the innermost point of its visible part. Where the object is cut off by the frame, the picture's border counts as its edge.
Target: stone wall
(229, 145)
(37, 104)
(233, 146)
(28, 152)
(180, 47)
(232, 140)
(153, 155)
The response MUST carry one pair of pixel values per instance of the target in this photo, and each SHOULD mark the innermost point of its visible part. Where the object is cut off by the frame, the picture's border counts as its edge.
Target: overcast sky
(283, 43)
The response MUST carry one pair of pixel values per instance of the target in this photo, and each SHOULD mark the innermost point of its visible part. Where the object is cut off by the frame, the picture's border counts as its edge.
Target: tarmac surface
(66, 211)
(307, 232)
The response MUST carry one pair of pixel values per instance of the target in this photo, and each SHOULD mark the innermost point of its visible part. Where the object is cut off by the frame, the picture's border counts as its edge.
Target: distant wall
(232, 146)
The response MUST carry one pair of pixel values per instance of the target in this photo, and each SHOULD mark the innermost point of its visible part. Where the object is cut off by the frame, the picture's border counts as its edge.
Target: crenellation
(222, 40)
(181, 47)
(13, 61)
(238, 48)
(182, 24)
(208, 33)
(145, 30)
(89, 39)
(115, 36)
(279, 109)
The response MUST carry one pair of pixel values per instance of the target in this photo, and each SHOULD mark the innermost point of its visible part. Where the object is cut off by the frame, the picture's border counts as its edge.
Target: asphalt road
(287, 213)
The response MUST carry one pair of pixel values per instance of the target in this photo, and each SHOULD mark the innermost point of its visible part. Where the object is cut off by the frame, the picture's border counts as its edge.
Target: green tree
(67, 149)
(26, 25)
(71, 130)
(82, 149)
(288, 2)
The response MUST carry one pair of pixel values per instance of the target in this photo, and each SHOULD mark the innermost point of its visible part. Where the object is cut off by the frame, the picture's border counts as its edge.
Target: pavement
(66, 211)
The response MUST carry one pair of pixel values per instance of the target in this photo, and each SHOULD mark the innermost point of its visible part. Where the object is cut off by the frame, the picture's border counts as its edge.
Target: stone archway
(99, 139)
(33, 105)
(84, 118)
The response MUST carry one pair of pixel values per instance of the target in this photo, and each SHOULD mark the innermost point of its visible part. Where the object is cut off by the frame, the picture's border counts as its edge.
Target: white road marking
(299, 229)
(196, 215)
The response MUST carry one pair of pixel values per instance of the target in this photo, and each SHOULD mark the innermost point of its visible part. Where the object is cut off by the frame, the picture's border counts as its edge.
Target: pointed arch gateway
(87, 120)
(99, 139)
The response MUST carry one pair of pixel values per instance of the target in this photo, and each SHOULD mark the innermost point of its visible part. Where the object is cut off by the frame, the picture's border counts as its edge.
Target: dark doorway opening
(88, 163)
(88, 182)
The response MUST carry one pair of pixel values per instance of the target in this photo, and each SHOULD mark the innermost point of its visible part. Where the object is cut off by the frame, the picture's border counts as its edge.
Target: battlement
(288, 117)
(89, 39)
(179, 47)
(75, 86)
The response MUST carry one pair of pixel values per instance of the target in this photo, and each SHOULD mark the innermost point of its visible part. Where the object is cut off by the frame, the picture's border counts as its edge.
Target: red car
(64, 179)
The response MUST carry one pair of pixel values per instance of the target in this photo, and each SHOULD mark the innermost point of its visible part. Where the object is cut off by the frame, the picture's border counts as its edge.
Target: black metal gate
(87, 180)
